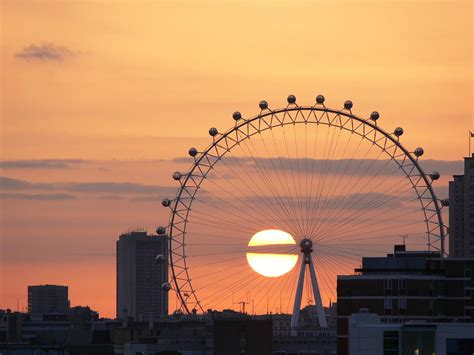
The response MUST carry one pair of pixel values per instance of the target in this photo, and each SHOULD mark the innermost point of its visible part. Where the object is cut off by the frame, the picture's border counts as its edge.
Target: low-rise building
(369, 336)
(406, 286)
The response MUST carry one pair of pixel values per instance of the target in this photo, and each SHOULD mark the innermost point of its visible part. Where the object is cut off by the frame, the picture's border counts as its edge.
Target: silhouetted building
(82, 317)
(140, 276)
(407, 286)
(45, 299)
(461, 212)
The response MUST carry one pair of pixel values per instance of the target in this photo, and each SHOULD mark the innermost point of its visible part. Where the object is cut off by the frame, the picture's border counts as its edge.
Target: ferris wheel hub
(306, 246)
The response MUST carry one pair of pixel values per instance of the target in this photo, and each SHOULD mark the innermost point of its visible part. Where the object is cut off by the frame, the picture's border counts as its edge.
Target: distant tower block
(306, 250)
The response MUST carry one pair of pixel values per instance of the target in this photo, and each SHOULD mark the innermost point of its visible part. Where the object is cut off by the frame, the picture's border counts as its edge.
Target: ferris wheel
(291, 189)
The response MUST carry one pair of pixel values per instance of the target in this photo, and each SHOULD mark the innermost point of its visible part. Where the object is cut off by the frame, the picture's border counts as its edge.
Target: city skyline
(91, 132)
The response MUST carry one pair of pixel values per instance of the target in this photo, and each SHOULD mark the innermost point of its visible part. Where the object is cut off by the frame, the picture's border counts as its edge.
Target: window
(402, 287)
(387, 306)
(402, 306)
(390, 342)
(388, 287)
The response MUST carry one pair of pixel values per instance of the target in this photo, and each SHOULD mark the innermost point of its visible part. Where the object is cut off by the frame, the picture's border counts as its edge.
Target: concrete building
(140, 276)
(407, 286)
(47, 299)
(369, 336)
(461, 212)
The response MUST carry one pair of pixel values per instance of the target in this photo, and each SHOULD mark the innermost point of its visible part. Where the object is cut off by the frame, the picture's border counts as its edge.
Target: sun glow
(269, 264)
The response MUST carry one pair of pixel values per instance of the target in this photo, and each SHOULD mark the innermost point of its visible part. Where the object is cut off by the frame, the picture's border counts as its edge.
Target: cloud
(109, 188)
(353, 201)
(38, 197)
(354, 167)
(45, 52)
(40, 164)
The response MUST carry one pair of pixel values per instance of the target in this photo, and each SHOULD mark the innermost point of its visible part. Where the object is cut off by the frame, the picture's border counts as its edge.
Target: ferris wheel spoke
(228, 276)
(220, 236)
(342, 254)
(236, 212)
(345, 268)
(234, 187)
(373, 204)
(342, 232)
(342, 192)
(298, 174)
(333, 216)
(265, 293)
(293, 194)
(229, 289)
(326, 278)
(329, 189)
(212, 218)
(340, 260)
(321, 179)
(284, 198)
(263, 172)
(280, 214)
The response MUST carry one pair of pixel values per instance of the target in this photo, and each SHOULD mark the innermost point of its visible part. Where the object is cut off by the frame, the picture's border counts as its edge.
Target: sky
(99, 99)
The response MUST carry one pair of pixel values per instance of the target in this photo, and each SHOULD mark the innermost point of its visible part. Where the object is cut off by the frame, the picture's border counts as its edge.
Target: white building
(369, 336)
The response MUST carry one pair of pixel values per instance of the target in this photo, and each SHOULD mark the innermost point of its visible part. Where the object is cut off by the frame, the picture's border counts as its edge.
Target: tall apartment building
(461, 212)
(47, 299)
(140, 276)
(406, 286)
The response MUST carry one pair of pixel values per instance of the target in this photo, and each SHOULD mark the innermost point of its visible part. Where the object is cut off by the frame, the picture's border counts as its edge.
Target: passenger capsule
(320, 99)
(177, 175)
(291, 99)
(166, 202)
(166, 286)
(160, 259)
(419, 152)
(236, 115)
(192, 152)
(263, 105)
(434, 175)
(374, 116)
(445, 202)
(213, 131)
(398, 131)
(348, 104)
(160, 230)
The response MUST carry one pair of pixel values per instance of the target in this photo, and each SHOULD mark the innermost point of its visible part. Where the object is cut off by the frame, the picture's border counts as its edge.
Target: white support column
(299, 293)
(317, 295)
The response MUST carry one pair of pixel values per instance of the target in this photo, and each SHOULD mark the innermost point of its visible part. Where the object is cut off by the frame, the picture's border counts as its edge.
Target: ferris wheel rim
(178, 205)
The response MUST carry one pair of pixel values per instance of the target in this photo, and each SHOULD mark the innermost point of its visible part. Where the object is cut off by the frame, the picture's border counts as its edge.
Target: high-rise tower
(461, 212)
(142, 268)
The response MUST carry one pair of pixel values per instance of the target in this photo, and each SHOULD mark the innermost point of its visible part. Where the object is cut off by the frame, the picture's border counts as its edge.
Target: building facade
(461, 212)
(407, 286)
(140, 275)
(369, 336)
(47, 299)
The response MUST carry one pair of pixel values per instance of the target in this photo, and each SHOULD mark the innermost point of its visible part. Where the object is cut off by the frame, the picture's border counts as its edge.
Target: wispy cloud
(109, 188)
(354, 167)
(45, 52)
(38, 197)
(40, 163)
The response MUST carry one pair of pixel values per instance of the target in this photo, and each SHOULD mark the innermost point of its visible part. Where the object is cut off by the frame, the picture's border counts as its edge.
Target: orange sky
(137, 82)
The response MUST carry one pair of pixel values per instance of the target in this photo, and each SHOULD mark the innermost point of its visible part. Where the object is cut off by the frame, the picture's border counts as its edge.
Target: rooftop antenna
(471, 135)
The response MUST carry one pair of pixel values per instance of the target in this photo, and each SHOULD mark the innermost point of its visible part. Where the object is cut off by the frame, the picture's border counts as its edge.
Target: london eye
(292, 189)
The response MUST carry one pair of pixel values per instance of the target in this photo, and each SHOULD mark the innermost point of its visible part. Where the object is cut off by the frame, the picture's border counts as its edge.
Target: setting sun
(270, 264)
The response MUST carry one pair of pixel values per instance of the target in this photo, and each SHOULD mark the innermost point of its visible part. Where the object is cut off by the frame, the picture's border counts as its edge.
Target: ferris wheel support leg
(317, 295)
(299, 293)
